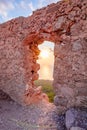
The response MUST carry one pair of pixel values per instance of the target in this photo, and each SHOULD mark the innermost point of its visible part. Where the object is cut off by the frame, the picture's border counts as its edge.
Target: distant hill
(46, 87)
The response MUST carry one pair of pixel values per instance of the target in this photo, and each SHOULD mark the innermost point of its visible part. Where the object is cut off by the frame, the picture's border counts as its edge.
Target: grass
(46, 88)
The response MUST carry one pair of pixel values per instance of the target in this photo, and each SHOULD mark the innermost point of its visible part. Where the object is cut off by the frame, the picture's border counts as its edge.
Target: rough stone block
(76, 118)
(77, 128)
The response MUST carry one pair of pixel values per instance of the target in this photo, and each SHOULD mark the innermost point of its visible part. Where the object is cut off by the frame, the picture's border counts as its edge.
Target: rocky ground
(16, 117)
(43, 116)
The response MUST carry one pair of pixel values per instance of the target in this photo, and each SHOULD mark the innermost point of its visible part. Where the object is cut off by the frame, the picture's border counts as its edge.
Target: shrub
(46, 88)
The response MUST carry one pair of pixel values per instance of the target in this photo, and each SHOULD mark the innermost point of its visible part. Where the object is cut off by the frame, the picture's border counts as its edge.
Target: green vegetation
(46, 88)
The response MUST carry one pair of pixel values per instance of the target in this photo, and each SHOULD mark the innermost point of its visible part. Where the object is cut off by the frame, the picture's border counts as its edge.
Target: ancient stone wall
(65, 24)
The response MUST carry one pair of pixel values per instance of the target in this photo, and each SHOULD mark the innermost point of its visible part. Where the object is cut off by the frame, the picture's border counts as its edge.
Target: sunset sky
(46, 60)
(13, 8)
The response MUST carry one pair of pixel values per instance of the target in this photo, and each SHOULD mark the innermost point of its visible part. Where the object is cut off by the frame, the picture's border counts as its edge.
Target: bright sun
(44, 54)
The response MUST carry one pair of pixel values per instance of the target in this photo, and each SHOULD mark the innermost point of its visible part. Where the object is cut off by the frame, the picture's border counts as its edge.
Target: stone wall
(65, 24)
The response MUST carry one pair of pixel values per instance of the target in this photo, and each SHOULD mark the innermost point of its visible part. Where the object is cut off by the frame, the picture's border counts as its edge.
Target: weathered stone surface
(65, 24)
(76, 118)
(77, 128)
(60, 120)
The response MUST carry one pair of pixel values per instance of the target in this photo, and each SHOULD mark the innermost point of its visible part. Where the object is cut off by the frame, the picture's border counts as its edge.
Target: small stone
(70, 118)
(1, 122)
(77, 46)
(59, 23)
(76, 117)
(60, 101)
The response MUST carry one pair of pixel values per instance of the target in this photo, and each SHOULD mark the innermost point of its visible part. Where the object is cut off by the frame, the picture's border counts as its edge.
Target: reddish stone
(65, 24)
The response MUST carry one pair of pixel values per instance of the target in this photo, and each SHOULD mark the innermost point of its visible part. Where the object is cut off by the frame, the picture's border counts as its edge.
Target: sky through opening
(46, 60)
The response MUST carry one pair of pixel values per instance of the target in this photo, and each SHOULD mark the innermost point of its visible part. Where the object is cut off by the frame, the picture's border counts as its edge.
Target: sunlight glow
(44, 54)
(46, 60)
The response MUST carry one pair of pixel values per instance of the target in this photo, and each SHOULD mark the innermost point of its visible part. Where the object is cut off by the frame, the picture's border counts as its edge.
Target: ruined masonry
(65, 24)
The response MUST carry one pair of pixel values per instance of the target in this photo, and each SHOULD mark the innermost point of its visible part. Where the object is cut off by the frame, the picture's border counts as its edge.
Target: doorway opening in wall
(46, 61)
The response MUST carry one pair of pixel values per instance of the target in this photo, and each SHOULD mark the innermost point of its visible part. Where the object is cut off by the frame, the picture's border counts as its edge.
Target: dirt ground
(16, 117)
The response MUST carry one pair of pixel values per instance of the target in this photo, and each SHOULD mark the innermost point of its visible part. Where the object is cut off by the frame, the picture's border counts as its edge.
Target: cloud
(26, 5)
(46, 2)
(40, 3)
(23, 4)
(15, 8)
(52, 1)
(5, 7)
(31, 6)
